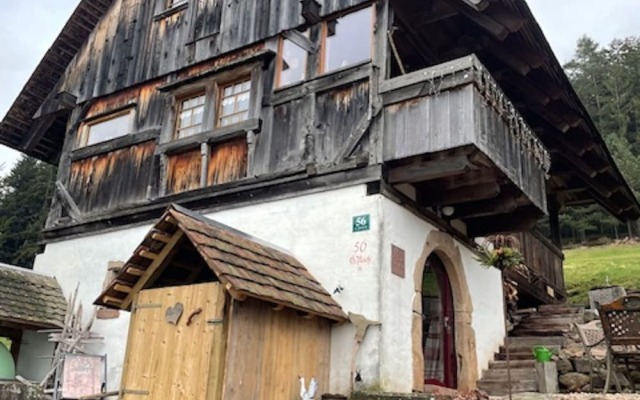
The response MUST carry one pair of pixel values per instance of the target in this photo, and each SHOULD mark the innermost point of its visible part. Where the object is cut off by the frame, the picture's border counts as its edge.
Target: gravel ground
(572, 396)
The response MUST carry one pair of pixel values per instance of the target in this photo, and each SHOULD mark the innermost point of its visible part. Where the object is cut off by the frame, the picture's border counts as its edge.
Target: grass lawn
(589, 267)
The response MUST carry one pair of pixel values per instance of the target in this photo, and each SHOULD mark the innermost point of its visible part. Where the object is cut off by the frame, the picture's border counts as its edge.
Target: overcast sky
(28, 27)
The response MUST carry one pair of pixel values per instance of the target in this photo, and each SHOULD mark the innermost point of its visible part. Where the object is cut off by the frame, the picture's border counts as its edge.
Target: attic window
(107, 128)
(347, 40)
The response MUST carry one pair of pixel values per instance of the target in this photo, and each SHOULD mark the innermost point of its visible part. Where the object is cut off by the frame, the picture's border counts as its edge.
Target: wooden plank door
(183, 360)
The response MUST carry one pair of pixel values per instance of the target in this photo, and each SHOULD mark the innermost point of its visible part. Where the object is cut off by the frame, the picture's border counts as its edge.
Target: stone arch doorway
(441, 246)
(438, 326)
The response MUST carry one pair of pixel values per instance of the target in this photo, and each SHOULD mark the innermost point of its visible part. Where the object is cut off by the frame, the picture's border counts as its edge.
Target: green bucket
(7, 366)
(542, 354)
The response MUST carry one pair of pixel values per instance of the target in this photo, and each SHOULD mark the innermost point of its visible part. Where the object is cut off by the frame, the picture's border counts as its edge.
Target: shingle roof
(247, 266)
(30, 300)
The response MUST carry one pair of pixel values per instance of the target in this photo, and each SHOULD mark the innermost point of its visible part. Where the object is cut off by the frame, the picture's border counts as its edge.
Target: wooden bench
(621, 325)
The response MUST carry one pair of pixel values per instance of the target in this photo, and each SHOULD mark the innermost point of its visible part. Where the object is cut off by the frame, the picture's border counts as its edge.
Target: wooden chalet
(422, 124)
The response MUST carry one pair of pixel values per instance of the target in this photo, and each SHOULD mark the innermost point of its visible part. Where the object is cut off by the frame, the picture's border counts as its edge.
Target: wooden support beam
(38, 129)
(144, 253)
(488, 24)
(68, 203)
(235, 293)
(161, 237)
(508, 201)
(112, 300)
(430, 196)
(521, 220)
(134, 271)
(429, 170)
(154, 269)
(118, 287)
(471, 178)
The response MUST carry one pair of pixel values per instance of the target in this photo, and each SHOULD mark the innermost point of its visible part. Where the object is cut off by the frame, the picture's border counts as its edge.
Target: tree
(607, 79)
(24, 202)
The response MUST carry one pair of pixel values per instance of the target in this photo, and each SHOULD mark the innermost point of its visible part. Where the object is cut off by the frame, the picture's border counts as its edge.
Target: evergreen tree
(24, 202)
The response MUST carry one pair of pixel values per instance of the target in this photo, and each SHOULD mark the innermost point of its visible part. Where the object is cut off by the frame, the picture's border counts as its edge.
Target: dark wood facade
(455, 105)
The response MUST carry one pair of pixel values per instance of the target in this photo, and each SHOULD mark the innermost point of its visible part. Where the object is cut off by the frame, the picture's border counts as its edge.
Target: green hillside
(589, 267)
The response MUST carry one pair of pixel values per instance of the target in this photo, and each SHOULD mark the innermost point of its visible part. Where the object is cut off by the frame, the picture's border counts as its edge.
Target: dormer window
(234, 102)
(106, 128)
(190, 119)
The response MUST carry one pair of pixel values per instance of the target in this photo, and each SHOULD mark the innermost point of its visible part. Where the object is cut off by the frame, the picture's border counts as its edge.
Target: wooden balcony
(541, 280)
(453, 139)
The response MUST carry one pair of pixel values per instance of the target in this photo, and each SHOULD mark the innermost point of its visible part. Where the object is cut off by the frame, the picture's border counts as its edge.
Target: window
(108, 128)
(234, 103)
(347, 40)
(292, 62)
(190, 116)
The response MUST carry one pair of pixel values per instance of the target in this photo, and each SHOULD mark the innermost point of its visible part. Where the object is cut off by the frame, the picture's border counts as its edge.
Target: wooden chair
(621, 325)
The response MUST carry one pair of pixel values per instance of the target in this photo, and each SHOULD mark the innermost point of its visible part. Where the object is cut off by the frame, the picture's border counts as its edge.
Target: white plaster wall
(83, 262)
(403, 229)
(316, 228)
(34, 359)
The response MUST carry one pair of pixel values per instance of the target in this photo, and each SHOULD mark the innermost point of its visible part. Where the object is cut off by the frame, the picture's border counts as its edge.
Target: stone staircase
(545, 327)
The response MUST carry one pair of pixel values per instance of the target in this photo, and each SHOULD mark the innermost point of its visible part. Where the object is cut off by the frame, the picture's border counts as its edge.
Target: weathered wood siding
(337, 113)
(543, 258)
(131, 45)
(184, 171)
(269, 349)
(227, 162)
(456, 118)
(112, 179)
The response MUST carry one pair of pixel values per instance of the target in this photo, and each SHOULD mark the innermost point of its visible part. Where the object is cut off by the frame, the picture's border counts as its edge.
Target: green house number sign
(361, 223)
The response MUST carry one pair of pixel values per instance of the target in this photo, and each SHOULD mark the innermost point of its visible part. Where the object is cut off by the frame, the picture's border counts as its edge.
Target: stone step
(502, 374)
(514, 357)
(501, 388)
(559, 309)
(513, 363)
(521, 341)
(550, 321)
(539, 332)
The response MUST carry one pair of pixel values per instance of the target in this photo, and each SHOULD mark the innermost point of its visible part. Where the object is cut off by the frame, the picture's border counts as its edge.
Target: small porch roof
(29, 300)
(246, 266)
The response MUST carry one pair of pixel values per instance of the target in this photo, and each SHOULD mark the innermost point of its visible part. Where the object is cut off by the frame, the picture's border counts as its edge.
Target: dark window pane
(349, 40)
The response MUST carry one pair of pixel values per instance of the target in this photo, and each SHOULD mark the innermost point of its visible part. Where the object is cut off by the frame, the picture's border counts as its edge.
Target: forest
(607, 79)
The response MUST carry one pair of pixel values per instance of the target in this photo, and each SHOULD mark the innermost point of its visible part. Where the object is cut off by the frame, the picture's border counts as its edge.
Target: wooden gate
(168, 359)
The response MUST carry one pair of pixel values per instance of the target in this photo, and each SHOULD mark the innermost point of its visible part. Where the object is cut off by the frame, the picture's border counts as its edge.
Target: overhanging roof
(29, 300)
(503, 33)
(510, 43)
(245, 265)
(17, 128)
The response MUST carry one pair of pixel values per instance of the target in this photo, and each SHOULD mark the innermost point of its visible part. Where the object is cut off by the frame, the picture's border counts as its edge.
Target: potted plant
(500, 251)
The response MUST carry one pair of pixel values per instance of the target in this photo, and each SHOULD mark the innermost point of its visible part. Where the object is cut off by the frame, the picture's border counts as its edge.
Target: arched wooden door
(438, 334)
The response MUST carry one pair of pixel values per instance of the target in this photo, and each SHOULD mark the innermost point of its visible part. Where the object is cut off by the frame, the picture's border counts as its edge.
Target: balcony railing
(452, 133)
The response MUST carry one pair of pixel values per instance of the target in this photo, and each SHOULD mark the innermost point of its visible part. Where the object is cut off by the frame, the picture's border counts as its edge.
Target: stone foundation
(17, 391)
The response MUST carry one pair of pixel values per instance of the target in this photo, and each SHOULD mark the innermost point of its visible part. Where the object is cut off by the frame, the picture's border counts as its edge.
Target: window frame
(180, 99)
(324, 30)
(280, 60)
(85, 131)
(221, 86)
